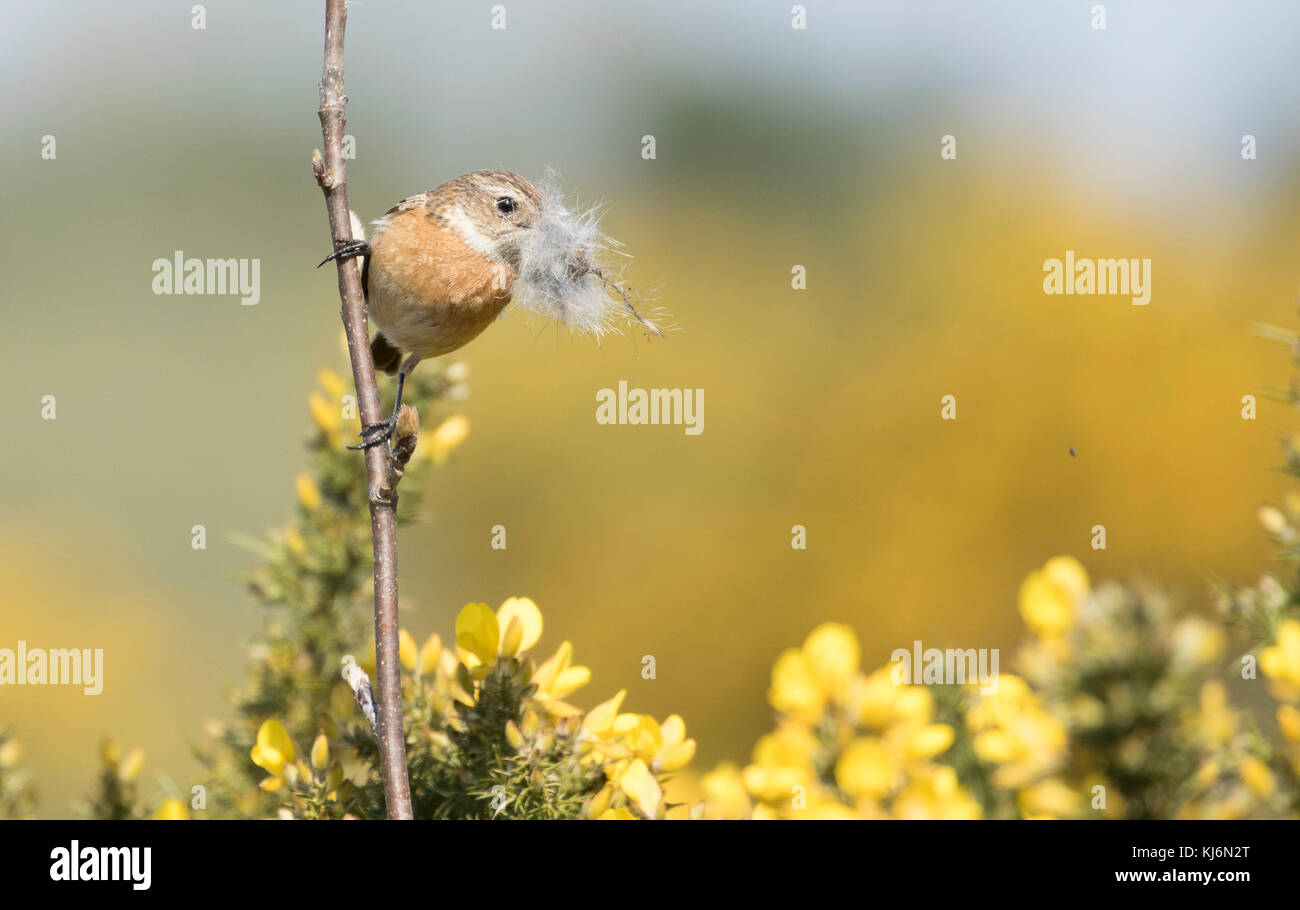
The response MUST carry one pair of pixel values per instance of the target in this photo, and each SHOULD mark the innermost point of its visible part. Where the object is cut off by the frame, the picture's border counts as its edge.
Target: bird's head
(556, 255)
(494, 211)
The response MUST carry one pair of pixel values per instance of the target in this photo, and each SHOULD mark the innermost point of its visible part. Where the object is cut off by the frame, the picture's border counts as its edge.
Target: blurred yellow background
(775, 147)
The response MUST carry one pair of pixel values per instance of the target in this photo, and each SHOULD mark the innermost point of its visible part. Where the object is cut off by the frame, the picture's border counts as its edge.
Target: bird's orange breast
(428, 291)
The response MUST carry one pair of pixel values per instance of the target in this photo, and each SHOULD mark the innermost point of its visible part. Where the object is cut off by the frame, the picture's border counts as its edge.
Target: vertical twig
(383, 502)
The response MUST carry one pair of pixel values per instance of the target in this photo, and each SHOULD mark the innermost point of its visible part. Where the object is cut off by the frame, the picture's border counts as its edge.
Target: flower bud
(320, 752)
(308, 493)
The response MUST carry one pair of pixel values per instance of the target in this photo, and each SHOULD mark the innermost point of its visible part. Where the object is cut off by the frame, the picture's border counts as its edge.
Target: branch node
(318, 168)
(383, 495)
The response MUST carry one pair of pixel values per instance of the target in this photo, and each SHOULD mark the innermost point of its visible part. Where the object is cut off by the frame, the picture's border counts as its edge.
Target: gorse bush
(1118, 706)
(489, 733)
(1119, 711)
(315, 583)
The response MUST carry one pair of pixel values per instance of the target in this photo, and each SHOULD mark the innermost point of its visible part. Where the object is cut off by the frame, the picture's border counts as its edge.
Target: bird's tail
(387, 357)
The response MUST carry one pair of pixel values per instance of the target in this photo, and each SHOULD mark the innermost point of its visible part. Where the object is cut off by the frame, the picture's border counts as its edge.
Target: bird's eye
(506, 205)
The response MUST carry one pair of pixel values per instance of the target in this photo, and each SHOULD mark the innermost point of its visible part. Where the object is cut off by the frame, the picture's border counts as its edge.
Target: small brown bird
(443, 264)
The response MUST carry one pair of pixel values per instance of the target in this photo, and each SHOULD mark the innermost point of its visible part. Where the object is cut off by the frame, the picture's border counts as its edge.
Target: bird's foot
(350, 249)
(374, 434)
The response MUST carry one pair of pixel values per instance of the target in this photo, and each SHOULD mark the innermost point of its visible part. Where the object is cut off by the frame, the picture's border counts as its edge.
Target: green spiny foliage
(488, 734)
(1124, 679)
(466, 766)
(315, 581)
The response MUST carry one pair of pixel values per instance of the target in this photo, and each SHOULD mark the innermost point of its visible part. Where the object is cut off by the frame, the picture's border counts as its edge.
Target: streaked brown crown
(484, 196)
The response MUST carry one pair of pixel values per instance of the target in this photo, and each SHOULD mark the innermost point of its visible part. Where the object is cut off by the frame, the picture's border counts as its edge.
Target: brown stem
(383, 502)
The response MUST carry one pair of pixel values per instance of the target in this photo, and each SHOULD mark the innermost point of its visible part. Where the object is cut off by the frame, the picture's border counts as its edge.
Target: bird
(441, 265)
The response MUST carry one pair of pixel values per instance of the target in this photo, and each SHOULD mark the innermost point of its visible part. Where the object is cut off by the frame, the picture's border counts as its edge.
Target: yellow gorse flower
(1050, 798)
(482, 635)
(1013, 730)
(804, 680)
(320, 752)
(619, 814)
(725, 793)
(325, 415)
(10, 751)
(1288, 721)
(1049, 596)
(633, 751)
(935, 793)
(866, 769)
(172, 810)
(430, 655)
(326, 407)
(333, 384)
(782, 761)
(1216, 721)
(599, 721)
(642, 789)
(675, 750)
(663, 748)
(477, 636)
(557, 678)
(1257, 777)
(875, 737)
(447, 437)
(408, 653)
(308, 493)
(520, 623)
(272, 753)
(1281, 660)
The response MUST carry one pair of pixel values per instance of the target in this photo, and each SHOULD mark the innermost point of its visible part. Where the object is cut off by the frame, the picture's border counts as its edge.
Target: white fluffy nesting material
(561, 273)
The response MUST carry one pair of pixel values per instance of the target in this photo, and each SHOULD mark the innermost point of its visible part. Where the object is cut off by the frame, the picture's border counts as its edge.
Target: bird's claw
(348, 250)
(373, 434)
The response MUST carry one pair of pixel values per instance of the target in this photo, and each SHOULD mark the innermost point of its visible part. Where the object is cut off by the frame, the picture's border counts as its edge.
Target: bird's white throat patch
(468, 231)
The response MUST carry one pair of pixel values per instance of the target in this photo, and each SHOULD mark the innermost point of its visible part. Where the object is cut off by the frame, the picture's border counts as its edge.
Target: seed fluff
(564, 272)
